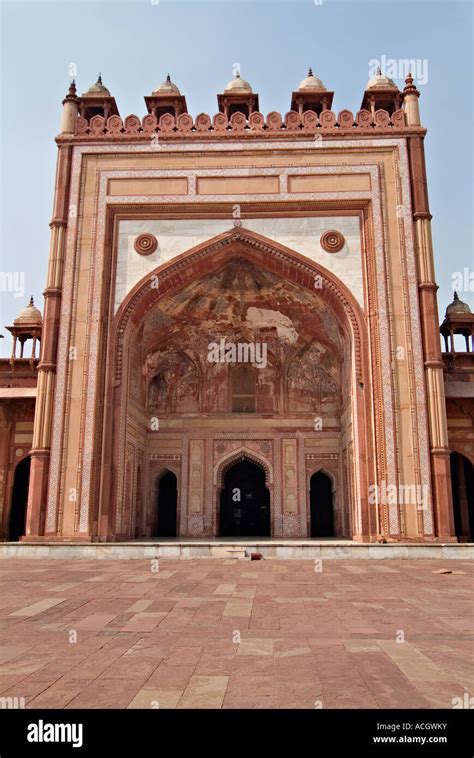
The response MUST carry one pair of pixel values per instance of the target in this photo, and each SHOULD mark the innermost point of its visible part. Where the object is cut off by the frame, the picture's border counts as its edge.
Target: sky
(135, 44)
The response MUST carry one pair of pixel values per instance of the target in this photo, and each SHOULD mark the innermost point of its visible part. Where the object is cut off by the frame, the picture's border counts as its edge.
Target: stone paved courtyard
(170, 639)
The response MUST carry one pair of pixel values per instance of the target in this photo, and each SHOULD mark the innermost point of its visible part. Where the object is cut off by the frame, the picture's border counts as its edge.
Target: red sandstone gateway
(306, 232)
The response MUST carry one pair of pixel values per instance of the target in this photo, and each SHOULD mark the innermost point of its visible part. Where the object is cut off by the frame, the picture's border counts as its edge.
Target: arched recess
(164, 508)
(462, 483)
(460, 450)
(243, 389)
(161, 397)
(322, 504)
(156, 473)
(192, 265)
(19, 500)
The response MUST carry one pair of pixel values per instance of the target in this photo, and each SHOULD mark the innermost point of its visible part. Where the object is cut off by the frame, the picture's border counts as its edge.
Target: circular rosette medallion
(332, 241)
(146, 244)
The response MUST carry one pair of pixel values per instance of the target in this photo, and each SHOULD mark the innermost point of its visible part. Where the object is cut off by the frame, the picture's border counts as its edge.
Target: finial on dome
(237, 75)
(168, 78)
(310, 71)
(99, 80)
(32, 302)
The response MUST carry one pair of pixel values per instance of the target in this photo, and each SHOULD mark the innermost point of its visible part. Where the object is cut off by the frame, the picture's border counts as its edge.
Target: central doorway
(245, 502)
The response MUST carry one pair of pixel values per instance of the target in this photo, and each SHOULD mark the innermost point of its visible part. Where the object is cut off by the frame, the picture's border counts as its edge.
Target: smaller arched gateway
(19, 501)
(164, 518)
(462, 482)
(321, 503)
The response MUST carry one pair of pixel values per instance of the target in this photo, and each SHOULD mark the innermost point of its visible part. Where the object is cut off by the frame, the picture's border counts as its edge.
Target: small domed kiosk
(27, 326)
(458, 319)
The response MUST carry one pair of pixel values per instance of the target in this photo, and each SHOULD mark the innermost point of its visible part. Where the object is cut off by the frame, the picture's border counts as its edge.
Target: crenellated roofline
(293, 125)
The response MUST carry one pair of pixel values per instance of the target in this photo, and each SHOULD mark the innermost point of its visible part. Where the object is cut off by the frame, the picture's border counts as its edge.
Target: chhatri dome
(311, 82)
(167, 88)
(29, 316)
(238, 85)
(457, 306)
(97, 89)
(380, 80)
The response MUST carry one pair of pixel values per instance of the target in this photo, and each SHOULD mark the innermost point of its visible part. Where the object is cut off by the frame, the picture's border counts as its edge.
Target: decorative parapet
(24, 371)
(238, 125)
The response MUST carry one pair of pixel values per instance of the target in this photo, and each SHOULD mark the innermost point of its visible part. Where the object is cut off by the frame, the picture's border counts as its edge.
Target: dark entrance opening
(462, 483)
(245, 502)
(321, 505)
(21, 481)
(167, 505)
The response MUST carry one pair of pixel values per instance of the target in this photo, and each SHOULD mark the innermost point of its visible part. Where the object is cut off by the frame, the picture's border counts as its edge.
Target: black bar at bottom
(305, 732)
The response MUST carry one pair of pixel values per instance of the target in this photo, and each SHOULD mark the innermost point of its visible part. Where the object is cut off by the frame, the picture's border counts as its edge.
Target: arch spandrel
(219, 251)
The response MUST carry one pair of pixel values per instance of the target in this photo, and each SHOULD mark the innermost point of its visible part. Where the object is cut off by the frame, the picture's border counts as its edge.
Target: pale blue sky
(135, 44)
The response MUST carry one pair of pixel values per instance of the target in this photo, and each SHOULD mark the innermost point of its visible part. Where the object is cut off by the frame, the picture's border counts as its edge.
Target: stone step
(239, 549)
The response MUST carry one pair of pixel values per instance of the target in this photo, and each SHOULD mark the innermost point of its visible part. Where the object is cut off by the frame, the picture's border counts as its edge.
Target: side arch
(322, 504)
(19, 499)
(453, 448)
(462, 489)
(322, 470)
(157, 522)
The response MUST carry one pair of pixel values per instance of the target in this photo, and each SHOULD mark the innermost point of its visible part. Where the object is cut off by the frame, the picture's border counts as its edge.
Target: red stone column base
(442, 495)
(37, 493)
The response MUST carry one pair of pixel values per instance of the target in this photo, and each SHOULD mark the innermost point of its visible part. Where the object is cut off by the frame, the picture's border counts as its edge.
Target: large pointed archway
(172, 362)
